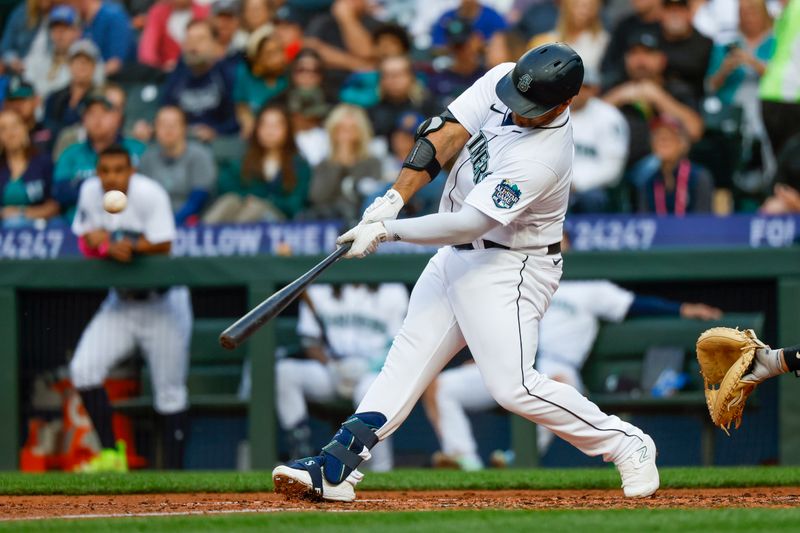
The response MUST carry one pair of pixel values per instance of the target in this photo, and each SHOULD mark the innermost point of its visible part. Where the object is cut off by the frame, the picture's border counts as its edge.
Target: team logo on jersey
(506, 194)
(479, 156)
(524, 83)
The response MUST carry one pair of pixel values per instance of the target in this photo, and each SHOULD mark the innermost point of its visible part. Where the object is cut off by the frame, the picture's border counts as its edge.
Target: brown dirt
(32, 507)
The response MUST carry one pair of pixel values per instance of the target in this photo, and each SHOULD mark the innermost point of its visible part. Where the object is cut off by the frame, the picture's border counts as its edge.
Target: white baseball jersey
(601, 145)
(359, 321)
(147, 213)
(518, 176)
(158, 323)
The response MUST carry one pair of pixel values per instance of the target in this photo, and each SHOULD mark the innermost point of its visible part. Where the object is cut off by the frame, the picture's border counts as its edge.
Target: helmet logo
(524, 83)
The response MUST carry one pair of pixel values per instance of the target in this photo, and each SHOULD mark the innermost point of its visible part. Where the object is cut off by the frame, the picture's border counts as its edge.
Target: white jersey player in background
(500, 221)
(158, 321)
(566, 335)
(343, 355)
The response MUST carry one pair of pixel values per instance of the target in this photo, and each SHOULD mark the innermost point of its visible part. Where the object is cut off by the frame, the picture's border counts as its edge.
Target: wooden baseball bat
(240, 330)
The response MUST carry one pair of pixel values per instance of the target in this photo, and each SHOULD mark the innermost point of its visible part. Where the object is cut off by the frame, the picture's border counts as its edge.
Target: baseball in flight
(114, 201)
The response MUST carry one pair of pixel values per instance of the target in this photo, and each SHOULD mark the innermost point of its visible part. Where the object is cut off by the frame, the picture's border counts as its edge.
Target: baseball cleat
(295, 483)
(638, 471)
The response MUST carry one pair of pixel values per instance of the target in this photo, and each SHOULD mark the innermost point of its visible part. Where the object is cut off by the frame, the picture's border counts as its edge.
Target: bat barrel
(241, 330)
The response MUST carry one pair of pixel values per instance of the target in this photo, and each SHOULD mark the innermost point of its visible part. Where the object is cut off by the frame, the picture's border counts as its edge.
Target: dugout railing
(775, 273)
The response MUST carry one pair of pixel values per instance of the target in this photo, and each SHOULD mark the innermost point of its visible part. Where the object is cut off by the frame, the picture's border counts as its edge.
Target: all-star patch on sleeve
(511, 189)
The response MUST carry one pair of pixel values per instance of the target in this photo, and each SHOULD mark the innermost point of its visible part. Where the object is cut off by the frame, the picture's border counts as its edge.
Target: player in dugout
(158, 321)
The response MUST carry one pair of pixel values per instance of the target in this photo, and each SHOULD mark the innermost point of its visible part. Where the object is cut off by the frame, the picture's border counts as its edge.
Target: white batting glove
(767, 363)
(385, 207)
(365, 239)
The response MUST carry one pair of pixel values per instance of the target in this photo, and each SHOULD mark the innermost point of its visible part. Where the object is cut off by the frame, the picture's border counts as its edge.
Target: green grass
(597, 478)
(618, 521)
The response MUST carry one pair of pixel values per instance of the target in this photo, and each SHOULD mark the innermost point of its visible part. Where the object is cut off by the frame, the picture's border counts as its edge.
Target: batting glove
(385, 207)
(365, 239)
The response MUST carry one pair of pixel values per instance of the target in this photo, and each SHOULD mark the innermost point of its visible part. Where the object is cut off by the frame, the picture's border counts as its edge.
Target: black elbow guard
(423, 157)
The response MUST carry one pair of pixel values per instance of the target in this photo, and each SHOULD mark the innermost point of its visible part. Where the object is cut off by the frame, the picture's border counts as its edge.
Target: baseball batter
(566, 335)
(500, 222)
(346, 338)
(157, 321)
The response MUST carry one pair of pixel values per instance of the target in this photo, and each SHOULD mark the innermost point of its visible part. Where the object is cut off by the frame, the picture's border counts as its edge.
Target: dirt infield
(36, 507)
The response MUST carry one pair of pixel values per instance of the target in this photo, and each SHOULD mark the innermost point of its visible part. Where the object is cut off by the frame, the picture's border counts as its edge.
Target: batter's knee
(85, 373)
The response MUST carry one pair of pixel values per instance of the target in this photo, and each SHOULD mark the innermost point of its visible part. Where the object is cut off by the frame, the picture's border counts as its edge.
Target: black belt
(140, 295)
(552, 249)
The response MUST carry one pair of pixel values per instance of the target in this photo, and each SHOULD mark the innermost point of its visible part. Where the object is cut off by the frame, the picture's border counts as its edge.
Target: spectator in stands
(668, 183)
(399, 91)
(273, 179)
(343, 348)
(26, 24)
(165, 30)
(49, 71)
(779, 89)
(62, 108)
(579, 26)
(185, 168)
(482, 18)
(647, 93)
(465, 51)
(342, 37)
(202, 85)
(21, 98)
(308, 110)
(102, 121)
(26, 175)
(646, 18)
(349, 173)
(535, 17)
(785, 198)
(107, 24)
(504, 46)
(77, 133)
(255, 13)
(289, 23)
(361, 88)
(688, 52)
(601, 147)
(260, 79)
(225, 22)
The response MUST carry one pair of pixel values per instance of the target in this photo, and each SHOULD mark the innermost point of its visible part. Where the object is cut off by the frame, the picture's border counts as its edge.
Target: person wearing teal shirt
(261, 78)
(272, 181)
(102, 122)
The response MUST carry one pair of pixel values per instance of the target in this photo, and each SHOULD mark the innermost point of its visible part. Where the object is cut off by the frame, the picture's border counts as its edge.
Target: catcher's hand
(726, 355)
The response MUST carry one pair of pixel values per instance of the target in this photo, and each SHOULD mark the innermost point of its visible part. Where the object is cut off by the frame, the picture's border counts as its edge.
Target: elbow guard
(423, 155)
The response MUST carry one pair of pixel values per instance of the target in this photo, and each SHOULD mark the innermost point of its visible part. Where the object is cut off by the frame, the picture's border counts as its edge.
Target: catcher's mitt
(725, 355)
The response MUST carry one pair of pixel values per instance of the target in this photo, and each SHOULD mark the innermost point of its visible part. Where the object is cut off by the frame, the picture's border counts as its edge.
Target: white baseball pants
(491, 300)
(160, 326)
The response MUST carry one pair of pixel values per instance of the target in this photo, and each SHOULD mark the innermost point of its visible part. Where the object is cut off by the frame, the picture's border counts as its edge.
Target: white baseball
(114, 201)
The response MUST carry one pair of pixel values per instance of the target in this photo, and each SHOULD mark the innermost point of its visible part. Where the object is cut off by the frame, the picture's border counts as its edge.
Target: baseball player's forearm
(145, 247)
(460, 227)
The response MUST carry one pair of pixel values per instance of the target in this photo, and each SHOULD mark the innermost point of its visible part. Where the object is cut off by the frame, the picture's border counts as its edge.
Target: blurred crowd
(254, 110)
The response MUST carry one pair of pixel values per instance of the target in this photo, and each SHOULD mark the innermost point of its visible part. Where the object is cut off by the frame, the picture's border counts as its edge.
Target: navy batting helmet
(542, 79)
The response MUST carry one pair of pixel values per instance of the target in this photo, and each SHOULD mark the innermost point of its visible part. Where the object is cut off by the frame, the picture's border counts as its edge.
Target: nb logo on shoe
(309, 463)
(642, 454)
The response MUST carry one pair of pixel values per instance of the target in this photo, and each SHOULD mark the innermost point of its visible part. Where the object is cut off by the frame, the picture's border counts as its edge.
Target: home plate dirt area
(38, 507)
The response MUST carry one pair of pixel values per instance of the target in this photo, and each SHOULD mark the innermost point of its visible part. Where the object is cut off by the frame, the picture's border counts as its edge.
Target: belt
(552, 249)
(131, 295)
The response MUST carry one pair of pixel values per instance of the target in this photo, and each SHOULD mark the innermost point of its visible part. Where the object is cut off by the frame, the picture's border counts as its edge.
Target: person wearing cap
(62, 108)
(202, 85)
(483, 19)
(464, 51)
(645, 18)
(25, 29)
(647, 93)
(308, 109)
(165, 29)
(289, 29)
(601, 147)
(225, 21)
(108, 25)
(21, 98)
(688, 52)
(102, 121)
(49, 71)
(261, 78)
(580, 26)
(667, 182)
(499, 225)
